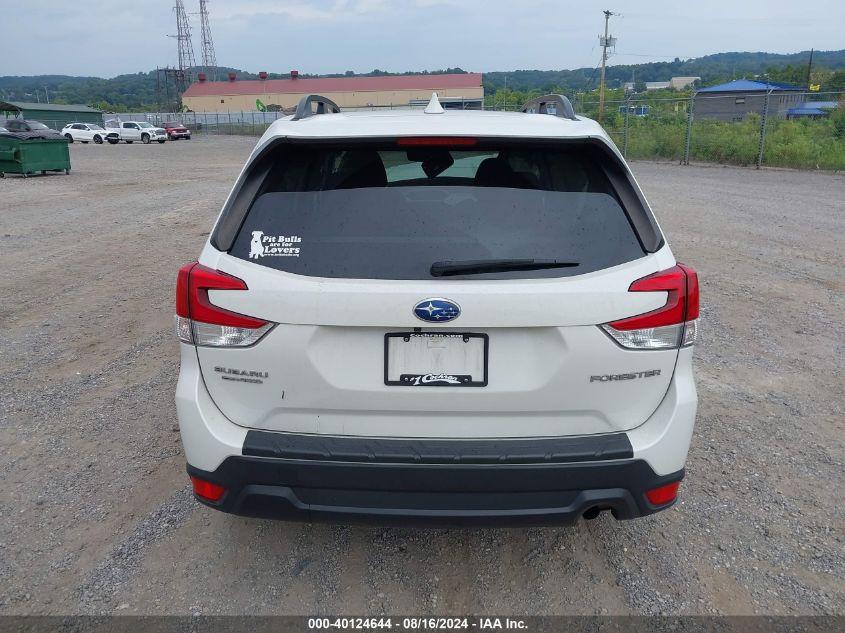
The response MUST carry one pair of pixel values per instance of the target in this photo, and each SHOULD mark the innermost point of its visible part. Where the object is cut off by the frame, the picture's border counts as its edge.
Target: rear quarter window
(383, 212)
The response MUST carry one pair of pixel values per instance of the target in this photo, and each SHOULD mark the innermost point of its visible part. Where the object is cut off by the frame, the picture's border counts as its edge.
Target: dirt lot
(97, 516)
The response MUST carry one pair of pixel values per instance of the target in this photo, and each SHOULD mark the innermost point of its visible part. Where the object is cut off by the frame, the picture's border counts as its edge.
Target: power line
(618, 54)
(593, 76)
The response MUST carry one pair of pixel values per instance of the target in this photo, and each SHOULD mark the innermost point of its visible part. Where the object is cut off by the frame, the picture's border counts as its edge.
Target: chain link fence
(249, 123)
(794, 129)
(804, 130)
(243, 122)
(776, 129)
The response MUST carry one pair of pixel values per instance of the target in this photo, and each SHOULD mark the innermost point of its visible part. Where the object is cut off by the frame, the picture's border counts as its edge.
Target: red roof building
(349, 92)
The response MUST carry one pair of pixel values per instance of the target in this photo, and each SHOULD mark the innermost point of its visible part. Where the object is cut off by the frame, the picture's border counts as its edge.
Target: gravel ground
(97, 514)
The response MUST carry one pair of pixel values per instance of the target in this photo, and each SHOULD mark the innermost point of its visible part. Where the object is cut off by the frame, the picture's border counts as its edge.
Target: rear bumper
(433, 494)
(483, 482)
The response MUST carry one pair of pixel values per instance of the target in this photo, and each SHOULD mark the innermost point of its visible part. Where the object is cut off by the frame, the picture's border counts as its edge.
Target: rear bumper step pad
(421, 451)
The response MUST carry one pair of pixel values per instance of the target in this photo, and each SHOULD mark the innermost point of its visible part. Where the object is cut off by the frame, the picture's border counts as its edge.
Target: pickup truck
(131, 131)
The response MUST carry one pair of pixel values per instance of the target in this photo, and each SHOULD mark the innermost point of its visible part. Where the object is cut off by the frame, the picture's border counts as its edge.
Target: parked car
(28, 125)
(447, 316)
(86, 132)
(131, 131)
(176, 130)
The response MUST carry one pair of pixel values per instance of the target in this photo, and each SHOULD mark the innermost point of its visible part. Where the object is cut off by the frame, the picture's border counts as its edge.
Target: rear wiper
(480, 266)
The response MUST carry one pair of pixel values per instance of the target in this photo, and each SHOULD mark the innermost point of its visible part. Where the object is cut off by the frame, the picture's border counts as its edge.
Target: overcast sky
(107, 38)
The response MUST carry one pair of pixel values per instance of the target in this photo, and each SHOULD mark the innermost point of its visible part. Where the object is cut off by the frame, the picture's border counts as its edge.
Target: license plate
(435, 359)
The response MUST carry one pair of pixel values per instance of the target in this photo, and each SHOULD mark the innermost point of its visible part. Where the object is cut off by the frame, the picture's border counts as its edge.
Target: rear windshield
(405, 213)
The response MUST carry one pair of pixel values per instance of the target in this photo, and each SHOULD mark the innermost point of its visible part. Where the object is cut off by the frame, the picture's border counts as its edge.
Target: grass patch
(802, 144)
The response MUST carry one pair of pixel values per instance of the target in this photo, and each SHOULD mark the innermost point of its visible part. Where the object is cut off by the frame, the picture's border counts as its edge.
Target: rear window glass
(393, 213)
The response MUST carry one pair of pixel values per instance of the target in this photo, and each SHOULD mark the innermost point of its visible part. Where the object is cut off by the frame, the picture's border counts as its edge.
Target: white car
(439, 317)
(131, 131)
(87, 132)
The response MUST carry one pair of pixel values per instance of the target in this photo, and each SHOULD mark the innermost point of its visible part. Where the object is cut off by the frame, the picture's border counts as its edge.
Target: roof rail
(556, 105)
(324, 106)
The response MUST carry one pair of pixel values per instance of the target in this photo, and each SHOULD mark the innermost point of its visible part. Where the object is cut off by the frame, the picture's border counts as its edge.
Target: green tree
(789, 74)
(836, 82)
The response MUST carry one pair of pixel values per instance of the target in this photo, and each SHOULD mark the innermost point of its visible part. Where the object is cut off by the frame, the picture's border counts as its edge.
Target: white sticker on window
(263, 245)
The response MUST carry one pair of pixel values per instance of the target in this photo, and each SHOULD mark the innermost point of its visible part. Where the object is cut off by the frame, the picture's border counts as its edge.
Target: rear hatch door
(337, 248)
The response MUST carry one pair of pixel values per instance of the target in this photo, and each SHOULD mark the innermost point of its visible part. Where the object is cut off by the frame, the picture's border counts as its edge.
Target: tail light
(200, 322)
(671, 326)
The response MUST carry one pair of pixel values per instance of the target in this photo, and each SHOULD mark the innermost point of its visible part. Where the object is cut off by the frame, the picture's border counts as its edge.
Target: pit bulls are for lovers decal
(262, 245)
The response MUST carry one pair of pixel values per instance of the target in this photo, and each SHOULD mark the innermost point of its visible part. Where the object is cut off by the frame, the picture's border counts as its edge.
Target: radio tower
(209, 59)
(186, 49)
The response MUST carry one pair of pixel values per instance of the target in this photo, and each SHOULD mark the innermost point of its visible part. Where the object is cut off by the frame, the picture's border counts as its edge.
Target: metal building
(456, 90)
(682, 83)
(53, 115)
(734, 100)
(812, 110)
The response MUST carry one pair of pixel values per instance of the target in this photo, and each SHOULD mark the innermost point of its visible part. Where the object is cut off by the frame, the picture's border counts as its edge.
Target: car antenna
(434, 106)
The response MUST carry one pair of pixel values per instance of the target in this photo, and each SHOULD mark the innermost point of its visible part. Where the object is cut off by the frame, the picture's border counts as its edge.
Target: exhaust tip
(591, 513)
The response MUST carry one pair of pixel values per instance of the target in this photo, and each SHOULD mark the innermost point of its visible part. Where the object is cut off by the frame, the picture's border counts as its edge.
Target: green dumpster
(20, 154)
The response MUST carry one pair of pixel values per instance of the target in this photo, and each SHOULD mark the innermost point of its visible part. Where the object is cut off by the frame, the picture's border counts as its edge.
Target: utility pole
(765, 118)
(158, 89)
(809, 69)
(605, 42)
(762, 144)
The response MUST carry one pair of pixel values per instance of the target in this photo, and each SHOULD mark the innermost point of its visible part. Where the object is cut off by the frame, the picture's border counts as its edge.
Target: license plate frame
(417, 380)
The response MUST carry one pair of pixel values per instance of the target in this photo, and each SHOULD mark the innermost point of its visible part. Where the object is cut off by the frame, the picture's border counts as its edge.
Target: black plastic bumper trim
(435, 494)
(423, 451)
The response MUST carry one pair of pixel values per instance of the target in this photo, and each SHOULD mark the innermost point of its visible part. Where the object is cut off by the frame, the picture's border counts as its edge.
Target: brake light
(200, 322)
(673, 325)
(664, 494)
(207, 490)
(451, 141)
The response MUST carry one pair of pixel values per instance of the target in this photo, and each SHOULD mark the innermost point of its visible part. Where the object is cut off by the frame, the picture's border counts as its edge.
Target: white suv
(85, 132)
(440, 316)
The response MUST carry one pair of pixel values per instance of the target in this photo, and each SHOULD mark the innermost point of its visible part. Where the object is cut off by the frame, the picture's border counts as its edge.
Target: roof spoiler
(324, 106)
(556, 105)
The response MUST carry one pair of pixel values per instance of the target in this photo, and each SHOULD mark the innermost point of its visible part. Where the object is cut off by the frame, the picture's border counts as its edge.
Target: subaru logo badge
(437, 310)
